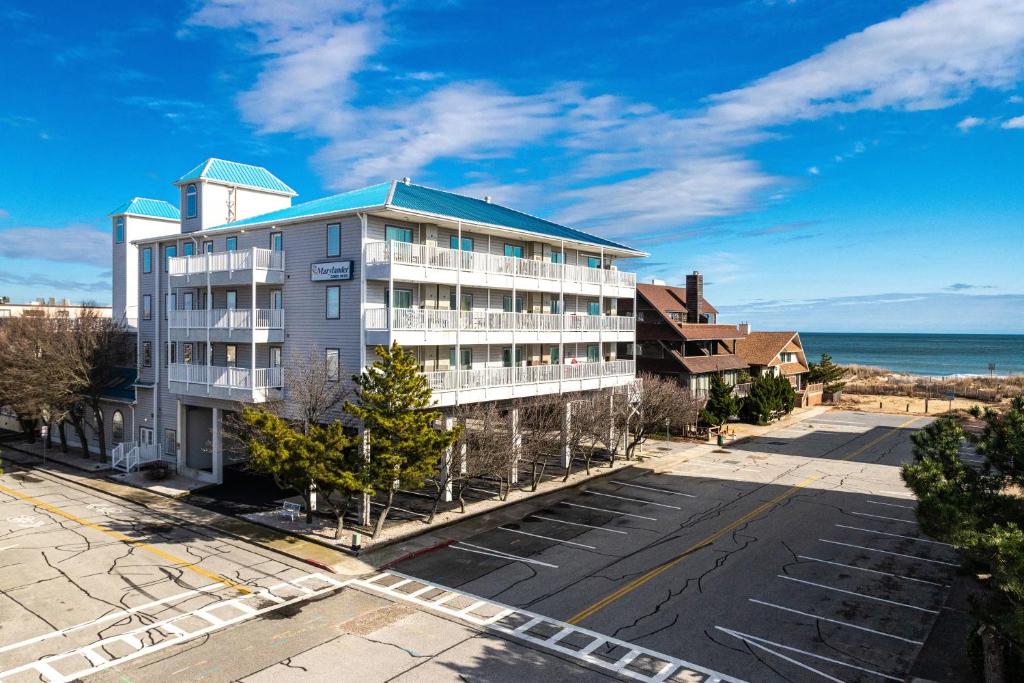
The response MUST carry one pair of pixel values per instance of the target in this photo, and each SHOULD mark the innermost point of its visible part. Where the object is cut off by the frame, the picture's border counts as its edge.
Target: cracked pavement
(792, 556)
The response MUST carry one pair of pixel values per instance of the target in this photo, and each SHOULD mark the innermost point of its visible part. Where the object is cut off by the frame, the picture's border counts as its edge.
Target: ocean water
(923, 354)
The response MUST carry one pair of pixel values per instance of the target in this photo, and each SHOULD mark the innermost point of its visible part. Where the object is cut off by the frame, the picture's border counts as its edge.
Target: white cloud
(620, 160)
(78, 244)
(1016, 122)
(814, 170)
(969, 122)
(1015, 99)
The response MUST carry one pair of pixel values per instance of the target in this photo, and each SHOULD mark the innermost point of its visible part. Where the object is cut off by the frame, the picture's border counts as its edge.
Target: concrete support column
(517, 439)
(566, 447)
(613, 447)
(364, 500)
(463, 464)
(447, 461)
(217, 447)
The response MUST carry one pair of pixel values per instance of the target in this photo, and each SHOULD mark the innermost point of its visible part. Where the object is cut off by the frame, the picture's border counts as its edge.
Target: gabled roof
(234, 173)
(761, 348)
(427, 202)
(150, 208)
(669, 298)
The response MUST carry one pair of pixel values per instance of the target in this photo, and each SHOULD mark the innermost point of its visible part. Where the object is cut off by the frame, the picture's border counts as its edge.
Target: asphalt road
(93, 587)
(792, 557)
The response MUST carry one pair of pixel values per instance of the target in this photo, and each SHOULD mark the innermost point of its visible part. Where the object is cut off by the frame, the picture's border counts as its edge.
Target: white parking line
(891, 519)
(589, 526)
(749, 639)
(651, 488)
(480, 550)
(873, 571)
(632, 500)
(886, 533)
(614, 512)
(547, 538)
(889, 552)
(892, 505)
(859, 595)
(836, 621)
(902, 494)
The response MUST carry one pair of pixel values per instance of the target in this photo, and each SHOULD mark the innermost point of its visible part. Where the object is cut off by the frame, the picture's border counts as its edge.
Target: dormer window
(119, 230)
(190, 201)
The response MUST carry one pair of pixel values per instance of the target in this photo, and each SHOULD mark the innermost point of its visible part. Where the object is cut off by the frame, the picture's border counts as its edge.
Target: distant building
(136, 219)
(780, 353)
(50, 307)
(678, 336)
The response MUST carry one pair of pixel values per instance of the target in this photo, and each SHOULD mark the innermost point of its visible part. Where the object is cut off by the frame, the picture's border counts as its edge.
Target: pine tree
(392, 402)
(769, 395)
(721, 403)
(828, 374)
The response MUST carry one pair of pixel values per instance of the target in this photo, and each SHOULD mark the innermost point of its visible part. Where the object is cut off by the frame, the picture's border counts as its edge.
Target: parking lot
(793, 556)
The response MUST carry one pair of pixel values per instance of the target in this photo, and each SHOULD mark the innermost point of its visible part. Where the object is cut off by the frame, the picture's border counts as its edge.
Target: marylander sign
(331, 270)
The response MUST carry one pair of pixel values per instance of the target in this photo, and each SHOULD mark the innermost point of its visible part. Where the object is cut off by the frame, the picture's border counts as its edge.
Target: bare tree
(591, 426)
(655, 402)
(314, 387)
(540, 429)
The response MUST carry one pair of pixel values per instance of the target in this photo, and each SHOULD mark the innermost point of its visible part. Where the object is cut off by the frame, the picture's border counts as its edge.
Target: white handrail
(492, 321)
(481, 378)
(227, 318)
(226, 377)
(265, 259)
(379, 253)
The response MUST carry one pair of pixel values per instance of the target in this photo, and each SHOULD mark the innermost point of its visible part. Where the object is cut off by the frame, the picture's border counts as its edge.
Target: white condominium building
(495, 303)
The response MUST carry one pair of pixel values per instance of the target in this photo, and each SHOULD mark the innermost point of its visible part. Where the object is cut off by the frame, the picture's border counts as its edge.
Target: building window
(188, 249)
(275, 356)
(172, 352)
(553, 355)
(513, 250)
(231, 356)
(334, 239)
(232, 244)
(117, 427)
(506, 357)
(232, 299)
(171, 303)
(506, 304)
(467, 243)
(557, 257)
(170, 442)
(119, 230)
(593, 262)
(639, 316)
(555, 306)
(187, 301)
(403, 299)
(186, 354)
(275, 299)
(208, 247)
(467, 300)
(395, 234)
(593, 353)
(147, 307)
(467, 358)
(333, 360)
(190, 201)
(333, 303)
(593, 308)
(147, 355)
(147, 260)
(169, 253)
(277, 241)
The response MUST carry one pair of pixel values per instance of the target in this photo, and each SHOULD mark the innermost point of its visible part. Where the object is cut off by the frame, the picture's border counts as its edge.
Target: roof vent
(406, 180)
(487, 198)
(656, 281)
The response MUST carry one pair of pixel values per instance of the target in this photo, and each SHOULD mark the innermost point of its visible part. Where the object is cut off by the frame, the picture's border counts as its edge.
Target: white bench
(290, 510)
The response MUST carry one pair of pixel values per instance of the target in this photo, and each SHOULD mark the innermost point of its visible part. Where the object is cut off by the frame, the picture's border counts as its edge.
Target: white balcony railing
(492, 321)
(223, 377)
(483, 378)
(380, 253)
(227, 319)
(226, 261)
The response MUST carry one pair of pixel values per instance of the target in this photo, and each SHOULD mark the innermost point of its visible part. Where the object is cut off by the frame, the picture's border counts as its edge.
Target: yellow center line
(183, 564)
(660, 569)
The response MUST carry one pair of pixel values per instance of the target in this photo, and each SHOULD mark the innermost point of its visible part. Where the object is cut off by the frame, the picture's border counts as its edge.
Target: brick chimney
(694, 295)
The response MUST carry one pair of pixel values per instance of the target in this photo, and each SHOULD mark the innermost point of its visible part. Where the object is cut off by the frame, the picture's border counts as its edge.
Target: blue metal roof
(451, 205)
(151, 208)
(121, 386)
(236, 174)
(425, 200)
(365, 198)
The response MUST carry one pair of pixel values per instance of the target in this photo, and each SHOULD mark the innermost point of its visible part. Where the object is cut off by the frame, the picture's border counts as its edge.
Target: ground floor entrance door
(198, 443)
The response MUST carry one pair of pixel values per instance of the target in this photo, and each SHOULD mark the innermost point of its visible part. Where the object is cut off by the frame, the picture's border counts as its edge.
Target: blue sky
(829, 165)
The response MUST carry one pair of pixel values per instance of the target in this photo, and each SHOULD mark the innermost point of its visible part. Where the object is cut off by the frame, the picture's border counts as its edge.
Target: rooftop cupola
(216, 192)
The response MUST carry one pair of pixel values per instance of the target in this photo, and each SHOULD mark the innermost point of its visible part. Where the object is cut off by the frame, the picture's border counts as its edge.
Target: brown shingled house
(677, 335)
(780, 353)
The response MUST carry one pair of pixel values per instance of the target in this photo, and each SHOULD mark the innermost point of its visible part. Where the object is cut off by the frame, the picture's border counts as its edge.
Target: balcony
(227, 268)
(244, 325)
(495, 384)
(423, 263)
(429, 327)
(233, 384)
